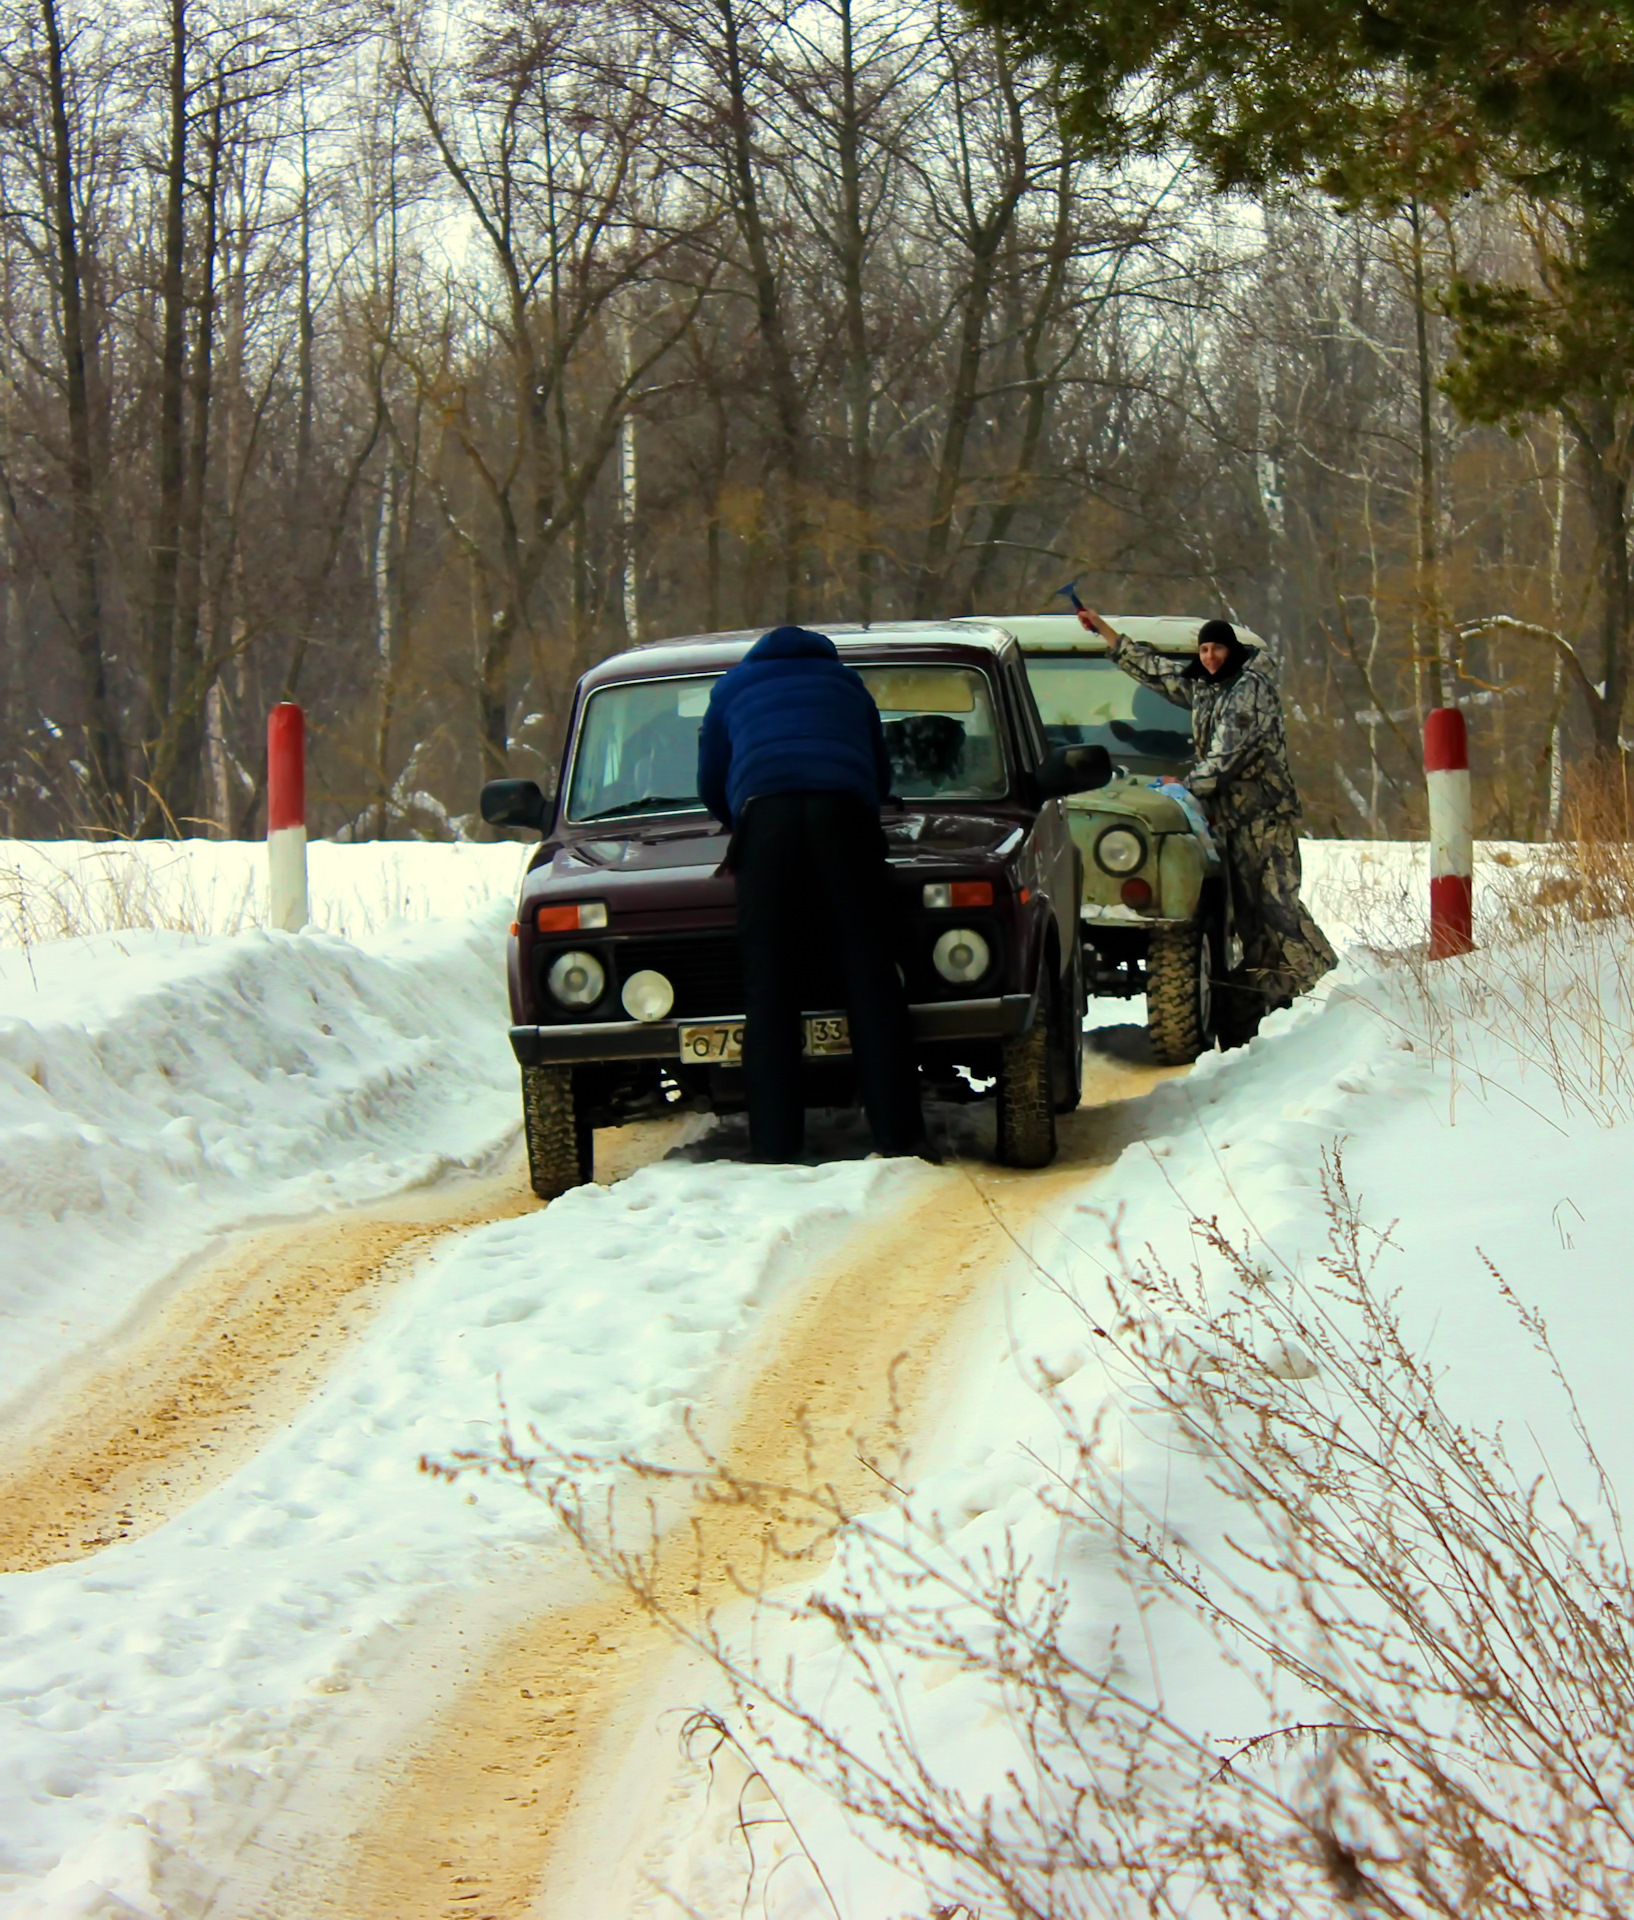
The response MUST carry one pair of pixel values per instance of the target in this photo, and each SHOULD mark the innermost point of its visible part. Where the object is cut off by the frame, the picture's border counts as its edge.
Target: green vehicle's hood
(1123, 795)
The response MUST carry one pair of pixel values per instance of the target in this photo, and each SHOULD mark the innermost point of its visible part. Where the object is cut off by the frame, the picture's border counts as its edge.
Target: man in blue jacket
(791, 757)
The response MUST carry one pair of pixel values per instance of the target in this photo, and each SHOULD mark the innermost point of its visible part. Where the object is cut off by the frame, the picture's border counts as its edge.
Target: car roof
(975, 642)
(1061, 633)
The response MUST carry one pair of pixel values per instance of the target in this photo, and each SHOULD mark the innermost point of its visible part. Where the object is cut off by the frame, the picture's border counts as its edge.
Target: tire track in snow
(189, 1389)
(515, 1776)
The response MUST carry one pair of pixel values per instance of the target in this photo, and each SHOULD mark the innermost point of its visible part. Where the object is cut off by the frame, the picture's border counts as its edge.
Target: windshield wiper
(655, 803)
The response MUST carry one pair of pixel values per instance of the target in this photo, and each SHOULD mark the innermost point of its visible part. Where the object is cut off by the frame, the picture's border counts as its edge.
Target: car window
(1085, 701)
(940, 732)
(638, 749)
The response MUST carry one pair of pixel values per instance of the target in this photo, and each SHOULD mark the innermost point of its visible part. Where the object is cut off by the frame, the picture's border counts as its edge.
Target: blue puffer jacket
(790, 717)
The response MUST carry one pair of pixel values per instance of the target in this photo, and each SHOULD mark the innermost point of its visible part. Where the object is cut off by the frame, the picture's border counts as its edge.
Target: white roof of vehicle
(1061, 633)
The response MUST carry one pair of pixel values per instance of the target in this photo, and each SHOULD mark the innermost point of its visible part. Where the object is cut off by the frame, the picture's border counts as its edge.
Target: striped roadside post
(286, 815)
(1452, 840)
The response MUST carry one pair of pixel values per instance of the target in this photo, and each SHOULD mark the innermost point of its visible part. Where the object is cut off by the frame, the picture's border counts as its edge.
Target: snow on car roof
(1061, 633)
(712, 652)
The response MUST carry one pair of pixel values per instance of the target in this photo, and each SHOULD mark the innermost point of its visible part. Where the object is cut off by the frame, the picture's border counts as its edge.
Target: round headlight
(1119, 850)
(576, 979)
(647, 995)
(961, 954)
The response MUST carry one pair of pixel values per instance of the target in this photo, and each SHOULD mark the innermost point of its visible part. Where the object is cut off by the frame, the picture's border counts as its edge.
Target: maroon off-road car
(626, 983)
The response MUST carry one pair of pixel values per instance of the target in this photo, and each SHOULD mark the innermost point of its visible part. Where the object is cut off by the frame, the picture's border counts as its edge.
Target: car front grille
(705, 970)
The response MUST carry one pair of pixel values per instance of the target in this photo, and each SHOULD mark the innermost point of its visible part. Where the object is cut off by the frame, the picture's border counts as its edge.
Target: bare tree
(545, 123)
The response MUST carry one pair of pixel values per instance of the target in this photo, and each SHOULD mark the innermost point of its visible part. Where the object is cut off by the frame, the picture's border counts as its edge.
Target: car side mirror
(514, 803)
(1073, 770)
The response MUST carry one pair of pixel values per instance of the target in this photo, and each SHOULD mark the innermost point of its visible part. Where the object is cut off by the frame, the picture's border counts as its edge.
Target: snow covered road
(268, 1244)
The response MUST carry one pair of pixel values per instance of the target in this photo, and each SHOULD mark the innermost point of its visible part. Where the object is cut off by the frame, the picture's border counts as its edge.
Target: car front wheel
(1239, 1010)
(1181, 968)
(1027, 1093)
(561, 1146)
(1069, 1052)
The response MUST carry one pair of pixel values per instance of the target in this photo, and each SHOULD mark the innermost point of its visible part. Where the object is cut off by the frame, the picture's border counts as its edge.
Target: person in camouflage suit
(1241, 771)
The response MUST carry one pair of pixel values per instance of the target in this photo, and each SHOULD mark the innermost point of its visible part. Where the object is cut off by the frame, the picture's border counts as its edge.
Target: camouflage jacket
(1241, 764)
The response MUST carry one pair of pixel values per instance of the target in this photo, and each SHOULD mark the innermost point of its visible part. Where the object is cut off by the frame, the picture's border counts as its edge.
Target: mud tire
(1067, 1082)
(1238, 1011)
(1181, 1016)
(561, 1146)
(1026, 1095)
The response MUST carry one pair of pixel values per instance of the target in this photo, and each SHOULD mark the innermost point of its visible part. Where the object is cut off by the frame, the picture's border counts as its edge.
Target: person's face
(1213, 654)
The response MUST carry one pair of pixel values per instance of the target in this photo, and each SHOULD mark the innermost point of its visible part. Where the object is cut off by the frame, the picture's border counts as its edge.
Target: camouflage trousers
(1284, 951)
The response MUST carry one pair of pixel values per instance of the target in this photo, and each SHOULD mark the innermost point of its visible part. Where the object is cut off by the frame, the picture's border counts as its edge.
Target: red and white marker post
(286, 815)
(1452, 838)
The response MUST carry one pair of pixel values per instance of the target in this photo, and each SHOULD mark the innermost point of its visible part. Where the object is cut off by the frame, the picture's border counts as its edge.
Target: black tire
(1067, 1084)
(1238, 1011)
(561, 1146)
(1181, 971)
(1026, 1106)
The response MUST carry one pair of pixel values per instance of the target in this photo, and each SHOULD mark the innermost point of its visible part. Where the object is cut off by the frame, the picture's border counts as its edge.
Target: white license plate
(828, 1033)
(722, 1040)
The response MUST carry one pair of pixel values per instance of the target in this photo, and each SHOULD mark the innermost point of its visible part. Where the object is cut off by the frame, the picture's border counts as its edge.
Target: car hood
(1134, 798)
(915, 833)
(649, 851)
(912, 835)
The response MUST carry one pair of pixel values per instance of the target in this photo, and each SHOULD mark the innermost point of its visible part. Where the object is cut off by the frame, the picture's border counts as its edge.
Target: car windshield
(638, 744)
(1084, 700)
(940, 732)
(638, 749)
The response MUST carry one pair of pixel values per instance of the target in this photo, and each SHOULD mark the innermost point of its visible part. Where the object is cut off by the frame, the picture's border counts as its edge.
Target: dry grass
(67, 891)
(112, 889)
(1543, 1010)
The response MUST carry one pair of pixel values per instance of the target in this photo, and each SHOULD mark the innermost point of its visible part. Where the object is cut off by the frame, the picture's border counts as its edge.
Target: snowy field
(168, 1074)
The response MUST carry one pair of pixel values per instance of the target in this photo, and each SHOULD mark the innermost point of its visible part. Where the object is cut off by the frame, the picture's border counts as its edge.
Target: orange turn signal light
(572, 917)
(959, 893)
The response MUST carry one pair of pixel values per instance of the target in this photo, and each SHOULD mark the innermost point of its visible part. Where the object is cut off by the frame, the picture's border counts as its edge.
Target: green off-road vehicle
(1156, 910)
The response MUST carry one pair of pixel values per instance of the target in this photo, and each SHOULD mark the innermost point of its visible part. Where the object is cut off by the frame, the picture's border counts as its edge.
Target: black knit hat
(1220, 633)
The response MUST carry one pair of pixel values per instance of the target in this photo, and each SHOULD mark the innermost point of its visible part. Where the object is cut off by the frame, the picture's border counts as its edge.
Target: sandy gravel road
(513, 1787)
(188, 1389)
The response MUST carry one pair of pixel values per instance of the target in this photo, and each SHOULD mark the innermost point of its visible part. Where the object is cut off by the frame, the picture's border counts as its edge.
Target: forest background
(404, 362)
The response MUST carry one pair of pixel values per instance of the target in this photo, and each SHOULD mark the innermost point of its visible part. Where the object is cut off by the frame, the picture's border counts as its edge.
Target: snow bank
(158, 1089)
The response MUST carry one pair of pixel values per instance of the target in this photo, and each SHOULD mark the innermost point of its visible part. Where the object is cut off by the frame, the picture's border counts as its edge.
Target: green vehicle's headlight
(1120, 850)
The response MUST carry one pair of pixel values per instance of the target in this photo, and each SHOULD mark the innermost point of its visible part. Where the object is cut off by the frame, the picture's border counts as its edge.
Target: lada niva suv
(625, 977)
(1156, 912)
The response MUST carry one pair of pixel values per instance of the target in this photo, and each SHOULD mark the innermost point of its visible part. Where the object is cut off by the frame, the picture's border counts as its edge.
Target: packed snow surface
(164, 1084)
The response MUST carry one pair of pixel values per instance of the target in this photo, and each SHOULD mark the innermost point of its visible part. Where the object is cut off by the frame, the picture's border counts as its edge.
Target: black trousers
(811, 874)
